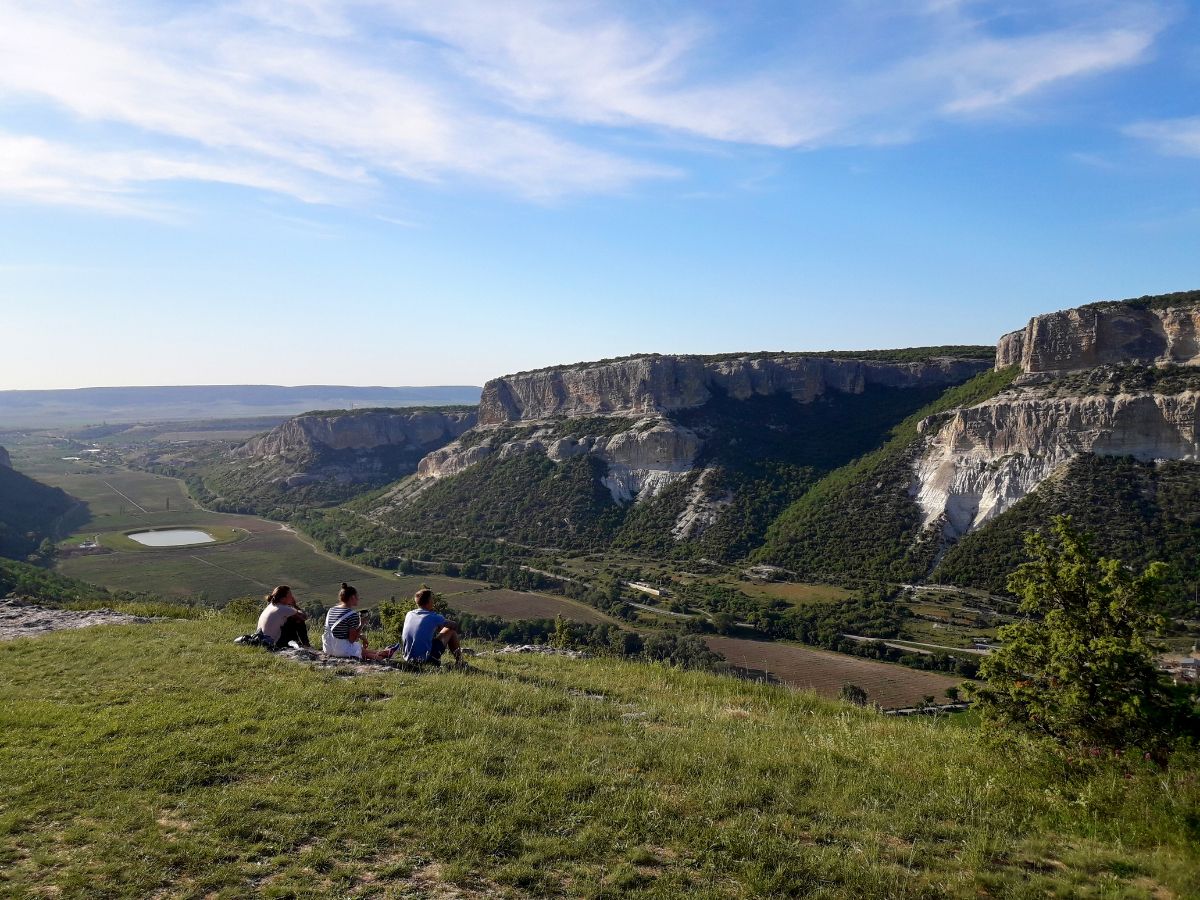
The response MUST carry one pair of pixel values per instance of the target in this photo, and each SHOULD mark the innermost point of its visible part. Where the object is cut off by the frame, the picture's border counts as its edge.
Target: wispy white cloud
(332, 101)
(1176, 137)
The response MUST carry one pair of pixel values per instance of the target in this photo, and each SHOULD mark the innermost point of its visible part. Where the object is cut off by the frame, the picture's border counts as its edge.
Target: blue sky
(392, 192)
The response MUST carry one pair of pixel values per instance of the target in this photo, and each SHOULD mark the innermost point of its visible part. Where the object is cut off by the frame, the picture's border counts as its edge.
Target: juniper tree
(1079, 669)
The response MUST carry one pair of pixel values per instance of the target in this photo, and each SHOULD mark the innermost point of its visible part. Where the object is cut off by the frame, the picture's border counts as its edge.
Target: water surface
(172, 537)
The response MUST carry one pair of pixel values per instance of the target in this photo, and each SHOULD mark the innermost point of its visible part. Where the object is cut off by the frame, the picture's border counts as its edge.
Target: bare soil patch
(887, 686)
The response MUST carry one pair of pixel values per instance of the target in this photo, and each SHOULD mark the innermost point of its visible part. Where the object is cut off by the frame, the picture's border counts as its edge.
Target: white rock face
(987, 457)
(651, 385)
(358, 431)
(641, 461)
(701, 510)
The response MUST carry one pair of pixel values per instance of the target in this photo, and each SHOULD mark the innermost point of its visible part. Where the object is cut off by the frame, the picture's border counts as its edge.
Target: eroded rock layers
(977, 462)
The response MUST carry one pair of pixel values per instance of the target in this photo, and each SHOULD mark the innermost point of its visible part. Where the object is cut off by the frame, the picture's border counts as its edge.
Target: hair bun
(345, 587)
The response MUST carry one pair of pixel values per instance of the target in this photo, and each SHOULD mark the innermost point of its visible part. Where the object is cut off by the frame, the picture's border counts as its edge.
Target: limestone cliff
(625, 413)
(641, 460)
(985, 458)
(358, 430)
(646, 385)
(977, 462)
(328, 456)
(1107, 334)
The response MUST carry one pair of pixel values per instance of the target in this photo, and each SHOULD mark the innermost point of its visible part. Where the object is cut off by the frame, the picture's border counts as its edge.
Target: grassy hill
(161, 760)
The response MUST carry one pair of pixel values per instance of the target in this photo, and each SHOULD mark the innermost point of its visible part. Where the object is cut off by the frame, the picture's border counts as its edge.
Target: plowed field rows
(509, 604)
(887, 685)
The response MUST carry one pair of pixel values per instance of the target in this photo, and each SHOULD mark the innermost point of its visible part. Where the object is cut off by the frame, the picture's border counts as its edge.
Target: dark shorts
(436, 649)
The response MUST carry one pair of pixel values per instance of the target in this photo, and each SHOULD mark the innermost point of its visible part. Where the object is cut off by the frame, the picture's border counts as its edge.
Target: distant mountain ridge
(84, 406)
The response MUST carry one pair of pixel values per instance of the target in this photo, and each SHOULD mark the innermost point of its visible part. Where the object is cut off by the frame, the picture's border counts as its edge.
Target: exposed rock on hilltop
(325, 457)
(626, 406)
(359, 430)
(981, 460)
(654, 452)
(1149, 331)
(657, 384)
(986, 458)
(645, 456)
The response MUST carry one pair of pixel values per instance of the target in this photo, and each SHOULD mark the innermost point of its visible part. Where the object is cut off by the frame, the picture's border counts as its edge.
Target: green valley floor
(161, 760)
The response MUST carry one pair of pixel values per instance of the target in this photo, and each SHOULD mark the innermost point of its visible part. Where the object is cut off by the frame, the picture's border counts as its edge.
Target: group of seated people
(426, 636)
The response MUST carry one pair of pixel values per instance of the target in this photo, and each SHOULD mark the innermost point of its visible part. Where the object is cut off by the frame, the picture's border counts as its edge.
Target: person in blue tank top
(428, 634)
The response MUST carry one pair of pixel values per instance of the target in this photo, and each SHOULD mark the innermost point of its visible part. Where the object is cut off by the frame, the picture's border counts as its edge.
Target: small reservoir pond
(172, 537)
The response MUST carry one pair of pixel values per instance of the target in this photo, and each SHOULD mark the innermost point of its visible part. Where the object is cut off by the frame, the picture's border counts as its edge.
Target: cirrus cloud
(337, 101)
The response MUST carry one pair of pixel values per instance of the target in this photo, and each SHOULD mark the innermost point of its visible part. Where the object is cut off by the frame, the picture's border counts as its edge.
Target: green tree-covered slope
(763, 453)
(859, 522)
(1137, 512)
(31, 512)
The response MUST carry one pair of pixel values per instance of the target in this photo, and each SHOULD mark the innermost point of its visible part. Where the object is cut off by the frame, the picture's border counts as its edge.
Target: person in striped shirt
(343, 629)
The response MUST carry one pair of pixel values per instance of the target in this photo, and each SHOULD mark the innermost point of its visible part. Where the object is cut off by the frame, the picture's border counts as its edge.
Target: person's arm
(356, 630)
(299, 614)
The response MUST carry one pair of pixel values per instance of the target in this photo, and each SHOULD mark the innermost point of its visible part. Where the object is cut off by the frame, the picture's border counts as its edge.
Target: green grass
(163, 760)
(251, 564)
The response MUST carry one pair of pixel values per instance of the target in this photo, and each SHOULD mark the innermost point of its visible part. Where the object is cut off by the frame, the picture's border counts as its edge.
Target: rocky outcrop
(329, 457)
(358, 430)
(1104, 334)
(648, 385)
(22, 618)
(701, 509)
(978, 462)
(654, 451)
(641, 461)
(4, 459)
(983, 459)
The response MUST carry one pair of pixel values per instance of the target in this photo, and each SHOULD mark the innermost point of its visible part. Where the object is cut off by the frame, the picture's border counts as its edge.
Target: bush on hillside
(1080, 670)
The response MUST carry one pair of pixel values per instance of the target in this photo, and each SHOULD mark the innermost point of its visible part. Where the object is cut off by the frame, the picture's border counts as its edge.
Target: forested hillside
(31, 512)
(1138, 512)
(859, 523)
(758, 455)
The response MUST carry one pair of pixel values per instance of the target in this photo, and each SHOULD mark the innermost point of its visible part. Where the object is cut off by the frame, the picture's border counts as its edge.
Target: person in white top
(281, 621)
(343, 629)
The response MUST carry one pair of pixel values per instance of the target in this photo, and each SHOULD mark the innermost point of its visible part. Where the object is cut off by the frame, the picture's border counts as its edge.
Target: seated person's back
(420, 627)
(281, 622)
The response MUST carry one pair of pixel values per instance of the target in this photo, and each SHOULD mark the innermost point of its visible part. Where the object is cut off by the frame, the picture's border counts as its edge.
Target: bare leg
(449, 637)
(373, 654)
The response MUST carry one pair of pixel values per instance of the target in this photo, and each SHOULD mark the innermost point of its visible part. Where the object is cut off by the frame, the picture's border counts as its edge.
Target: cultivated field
(407, 585)
(269, 554)
(524, 605)
(793, 593)
(248, 567)
(887, 685)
